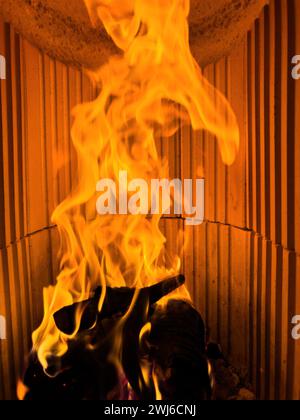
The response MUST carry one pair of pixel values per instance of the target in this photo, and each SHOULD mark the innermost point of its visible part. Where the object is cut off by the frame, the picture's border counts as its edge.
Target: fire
(146, 92)
(21, 390)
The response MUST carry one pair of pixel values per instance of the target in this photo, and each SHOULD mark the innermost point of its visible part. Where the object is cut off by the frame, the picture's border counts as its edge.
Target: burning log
(85, 372)
(117, 302)
(174, 347)
(177, 350)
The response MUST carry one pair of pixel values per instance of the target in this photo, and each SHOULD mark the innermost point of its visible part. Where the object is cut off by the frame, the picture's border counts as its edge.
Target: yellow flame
(146, 91)
(158, 395)
(145, 365)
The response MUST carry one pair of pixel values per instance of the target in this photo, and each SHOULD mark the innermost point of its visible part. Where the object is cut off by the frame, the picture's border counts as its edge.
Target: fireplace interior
(241, 266)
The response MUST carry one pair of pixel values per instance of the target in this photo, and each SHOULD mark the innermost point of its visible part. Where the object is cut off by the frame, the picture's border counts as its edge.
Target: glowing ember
(151, 87)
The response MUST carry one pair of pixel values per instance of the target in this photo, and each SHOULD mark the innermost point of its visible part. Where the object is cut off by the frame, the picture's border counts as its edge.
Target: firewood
(117, 302)
(175, 348)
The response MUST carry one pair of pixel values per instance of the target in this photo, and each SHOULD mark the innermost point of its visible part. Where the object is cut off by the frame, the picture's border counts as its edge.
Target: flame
(146, 92)
(145, 365)
(158, 395)
(21, 390)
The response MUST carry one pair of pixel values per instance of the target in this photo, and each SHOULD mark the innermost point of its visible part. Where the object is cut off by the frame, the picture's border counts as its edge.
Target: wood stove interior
(242, 265)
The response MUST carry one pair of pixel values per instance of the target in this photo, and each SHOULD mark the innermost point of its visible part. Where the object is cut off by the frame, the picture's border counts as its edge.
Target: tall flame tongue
(146, 90)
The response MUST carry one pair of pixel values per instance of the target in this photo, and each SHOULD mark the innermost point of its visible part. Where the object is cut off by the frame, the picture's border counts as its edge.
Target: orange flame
(152, 86)
(21, 390)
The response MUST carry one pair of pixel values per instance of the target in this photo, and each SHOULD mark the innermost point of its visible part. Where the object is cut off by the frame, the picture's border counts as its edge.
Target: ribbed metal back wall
(36, 172)
(245, 260)
(242, 265)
